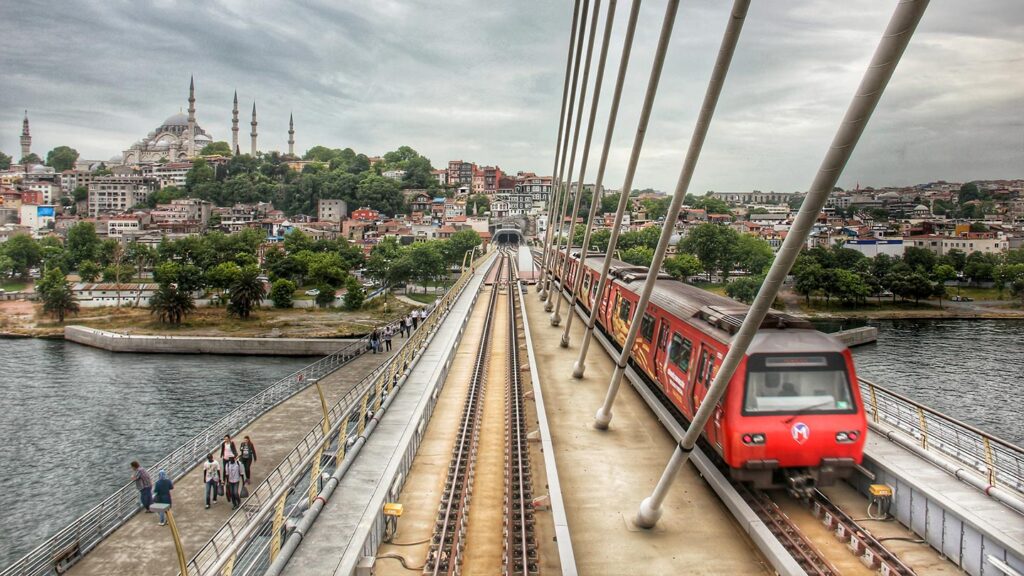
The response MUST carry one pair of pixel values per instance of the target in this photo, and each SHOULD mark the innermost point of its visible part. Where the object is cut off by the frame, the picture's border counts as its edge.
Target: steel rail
(446, 547)
(520, 554)
(876, 555)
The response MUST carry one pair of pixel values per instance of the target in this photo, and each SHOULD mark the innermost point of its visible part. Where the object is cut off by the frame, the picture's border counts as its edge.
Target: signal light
(754, 439)
(847, 437)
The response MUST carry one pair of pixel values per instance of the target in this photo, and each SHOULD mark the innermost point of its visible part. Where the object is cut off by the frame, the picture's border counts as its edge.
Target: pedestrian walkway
(141, 546)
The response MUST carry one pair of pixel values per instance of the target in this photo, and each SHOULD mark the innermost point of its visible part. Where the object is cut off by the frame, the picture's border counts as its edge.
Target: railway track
(448, 544)
(448, 540)
(520, 547)
(861, 543)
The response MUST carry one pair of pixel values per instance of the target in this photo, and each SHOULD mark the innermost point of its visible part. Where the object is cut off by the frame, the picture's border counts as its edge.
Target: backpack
(246, 451)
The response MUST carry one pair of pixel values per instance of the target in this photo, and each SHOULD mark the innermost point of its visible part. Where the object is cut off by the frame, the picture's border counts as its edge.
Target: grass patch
(423, 298)
(978, 293)
(13, 286)
(711, 287)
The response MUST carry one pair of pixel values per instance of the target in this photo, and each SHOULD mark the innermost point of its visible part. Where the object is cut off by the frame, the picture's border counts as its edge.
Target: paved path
(141, 546)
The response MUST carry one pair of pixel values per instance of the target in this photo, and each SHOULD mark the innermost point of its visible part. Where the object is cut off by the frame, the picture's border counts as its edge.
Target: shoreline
(239, 346)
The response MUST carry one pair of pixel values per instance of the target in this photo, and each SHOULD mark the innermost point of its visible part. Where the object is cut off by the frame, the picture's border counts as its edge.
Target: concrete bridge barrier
(149, 344)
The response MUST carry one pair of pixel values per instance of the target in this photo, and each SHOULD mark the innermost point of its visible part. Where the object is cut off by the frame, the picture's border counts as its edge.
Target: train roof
(707, 311)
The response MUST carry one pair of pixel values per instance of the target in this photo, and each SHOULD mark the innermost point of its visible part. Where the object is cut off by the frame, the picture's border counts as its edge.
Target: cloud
(482, 81)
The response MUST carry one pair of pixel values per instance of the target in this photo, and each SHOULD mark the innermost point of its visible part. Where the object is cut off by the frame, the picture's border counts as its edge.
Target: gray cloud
(482, 81)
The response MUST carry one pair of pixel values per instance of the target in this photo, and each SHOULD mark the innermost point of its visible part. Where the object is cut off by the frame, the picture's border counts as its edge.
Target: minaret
(190, 144)
(253, 133)
(234, 126)
(291, 135)
(26, 138)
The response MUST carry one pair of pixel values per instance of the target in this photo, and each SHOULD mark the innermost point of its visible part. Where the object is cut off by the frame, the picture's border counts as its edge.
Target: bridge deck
(141, 546)
(605, 475)
(334, 543)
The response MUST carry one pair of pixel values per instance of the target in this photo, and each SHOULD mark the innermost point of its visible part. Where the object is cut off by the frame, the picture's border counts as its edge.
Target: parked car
(312, 292)
(959, 298)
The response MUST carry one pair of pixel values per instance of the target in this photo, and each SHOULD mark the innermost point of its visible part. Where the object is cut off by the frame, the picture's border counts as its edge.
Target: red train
(792, 416)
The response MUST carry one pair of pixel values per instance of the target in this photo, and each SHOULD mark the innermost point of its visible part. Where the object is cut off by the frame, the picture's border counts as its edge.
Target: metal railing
(251, 538)
(997, 460)
(70, 544)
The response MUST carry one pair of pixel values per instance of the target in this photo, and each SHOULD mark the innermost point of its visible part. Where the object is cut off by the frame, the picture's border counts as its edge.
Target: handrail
(251, 538)
(70, 544)
(998, 460)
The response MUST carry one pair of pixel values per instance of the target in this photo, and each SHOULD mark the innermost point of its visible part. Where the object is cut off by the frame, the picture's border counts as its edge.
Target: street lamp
(323, 404)
(178, 548)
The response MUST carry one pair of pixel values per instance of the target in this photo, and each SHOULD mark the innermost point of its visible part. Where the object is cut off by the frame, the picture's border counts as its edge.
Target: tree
(610, 203)
(459, 243)
(281, 292)
(638, 255)
(919, 259)
(355, 295)
(117, 272)
(24, 253)
(200, 173)
(426, 262)
(218, 148)
(1007, 276)
(379, 193)
(31, 159)
(979, 267)
(5, 161)
(246, 292)
(754, 254)
(713, 245)
(682, 266)
(62, 158)
(744, 289)
(655, 208)
(296, 241)
(326, 295)
(82, 243)
(223, 275)
(170, 304)
(58, 298)
(478, 205)
(809, 276)
(88, 271)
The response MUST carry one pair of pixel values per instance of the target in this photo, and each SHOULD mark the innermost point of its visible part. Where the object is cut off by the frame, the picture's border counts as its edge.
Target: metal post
(573, 64)
(595, 200)
(558, 141)
(323, 406)
(598, 81)
(891, 47)
(700, 131)
(634, 157)
(564, 174)
(178, 548)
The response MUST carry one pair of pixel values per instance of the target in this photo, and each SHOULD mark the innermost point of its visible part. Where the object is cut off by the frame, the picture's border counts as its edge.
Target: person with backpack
(247, 454)
(162, 494)
(144, 484)
(211, 478)
(233, 476)
(375, 340)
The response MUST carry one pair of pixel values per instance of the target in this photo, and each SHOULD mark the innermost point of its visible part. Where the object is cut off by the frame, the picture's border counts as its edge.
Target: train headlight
(754, 438)
(847, 437)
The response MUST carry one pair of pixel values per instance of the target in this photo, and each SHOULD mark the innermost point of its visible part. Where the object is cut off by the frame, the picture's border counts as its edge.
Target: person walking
(375, 340)
(227, 450)
(415, 319)
(247, 454)
(162, 493)
(211, 478)
(408, 325)
(388, 334)
(144, 484)
(233, 476)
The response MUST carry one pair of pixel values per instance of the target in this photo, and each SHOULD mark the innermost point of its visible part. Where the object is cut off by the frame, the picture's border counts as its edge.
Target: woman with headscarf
(162, 493)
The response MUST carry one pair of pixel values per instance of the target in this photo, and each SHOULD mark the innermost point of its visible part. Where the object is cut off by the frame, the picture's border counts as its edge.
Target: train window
(624, 306)
(797, 384)
(679, 352)
(586, 283)
(663, 334)
(711, 368)
(593, 289)
(647, 327)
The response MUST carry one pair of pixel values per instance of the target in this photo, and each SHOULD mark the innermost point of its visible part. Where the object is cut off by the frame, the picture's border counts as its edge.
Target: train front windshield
(803, 383)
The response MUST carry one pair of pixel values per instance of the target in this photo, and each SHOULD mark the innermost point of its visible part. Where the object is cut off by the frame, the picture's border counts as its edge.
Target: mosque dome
(178, 119)
(920, 208)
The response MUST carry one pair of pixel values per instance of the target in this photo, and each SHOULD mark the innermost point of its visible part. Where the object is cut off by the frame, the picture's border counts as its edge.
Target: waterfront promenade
(141, 546)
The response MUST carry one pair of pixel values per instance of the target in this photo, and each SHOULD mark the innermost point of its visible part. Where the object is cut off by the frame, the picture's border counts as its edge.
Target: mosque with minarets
(180, 137)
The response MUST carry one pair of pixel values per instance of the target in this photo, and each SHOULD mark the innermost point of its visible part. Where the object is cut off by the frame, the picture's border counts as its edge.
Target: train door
(702, 379)
(660, 348)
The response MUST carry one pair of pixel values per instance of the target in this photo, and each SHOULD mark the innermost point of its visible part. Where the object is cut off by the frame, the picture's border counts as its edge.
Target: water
(972, 370)
(73, 417)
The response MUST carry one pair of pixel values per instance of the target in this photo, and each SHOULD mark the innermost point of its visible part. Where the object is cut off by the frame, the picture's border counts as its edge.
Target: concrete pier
(150, 344)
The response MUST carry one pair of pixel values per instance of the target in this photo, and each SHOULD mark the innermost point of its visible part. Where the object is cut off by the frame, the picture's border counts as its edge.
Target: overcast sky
(482, 81)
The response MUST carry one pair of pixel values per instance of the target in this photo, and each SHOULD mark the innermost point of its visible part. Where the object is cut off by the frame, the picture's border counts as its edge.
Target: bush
(281, 292)
(355, 296)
